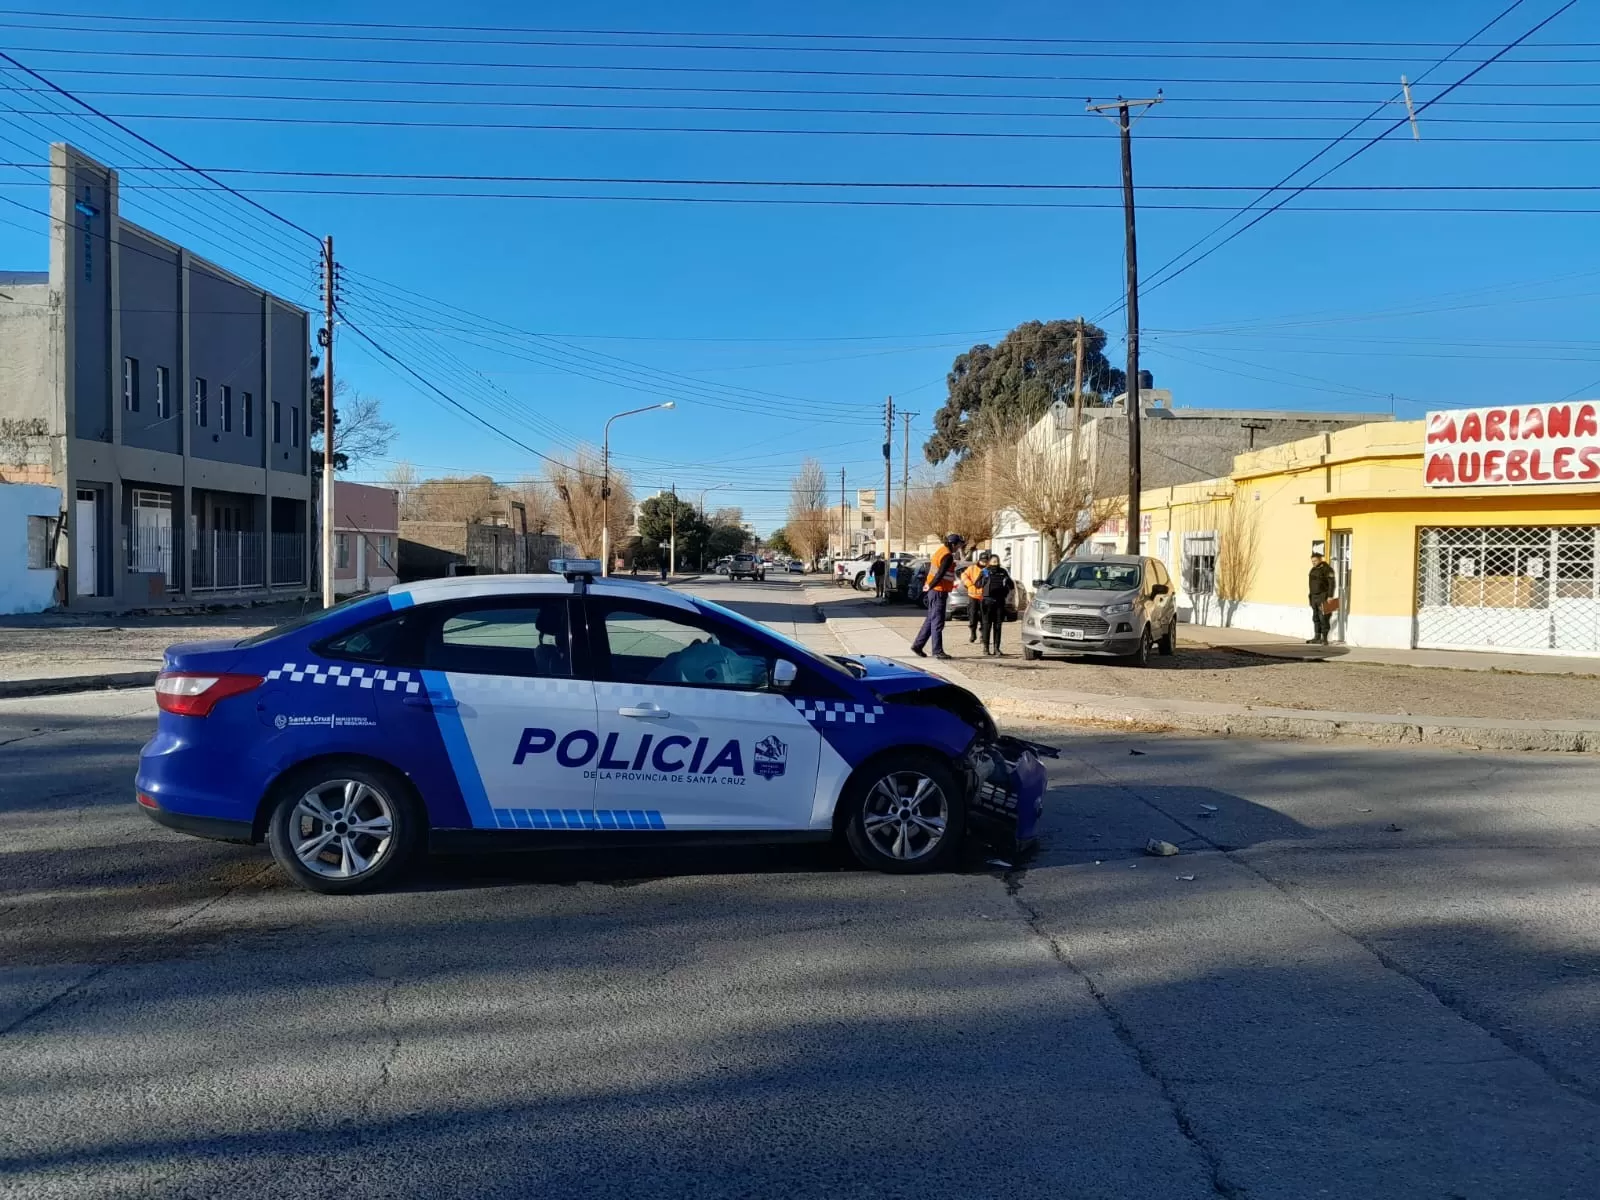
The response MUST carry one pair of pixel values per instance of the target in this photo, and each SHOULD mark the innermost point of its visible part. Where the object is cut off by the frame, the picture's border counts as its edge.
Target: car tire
(1168, 645)
(1029, 654)
(888, 828)
(1141, 656)
(383, 801)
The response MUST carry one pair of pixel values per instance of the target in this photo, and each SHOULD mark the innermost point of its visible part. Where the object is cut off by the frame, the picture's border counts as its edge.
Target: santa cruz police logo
(771, 757)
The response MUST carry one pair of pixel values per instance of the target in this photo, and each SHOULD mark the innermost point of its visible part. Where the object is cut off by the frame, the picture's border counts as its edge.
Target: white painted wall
(22, 589)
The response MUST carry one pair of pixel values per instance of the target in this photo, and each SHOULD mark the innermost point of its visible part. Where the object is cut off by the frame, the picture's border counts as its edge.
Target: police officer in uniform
(940, 582)
(1320, 587)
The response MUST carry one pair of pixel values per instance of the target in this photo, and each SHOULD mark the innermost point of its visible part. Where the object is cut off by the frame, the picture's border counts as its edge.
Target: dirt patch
(1228, 676)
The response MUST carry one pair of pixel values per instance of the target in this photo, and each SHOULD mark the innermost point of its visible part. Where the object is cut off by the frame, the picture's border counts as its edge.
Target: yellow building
(1513, 566)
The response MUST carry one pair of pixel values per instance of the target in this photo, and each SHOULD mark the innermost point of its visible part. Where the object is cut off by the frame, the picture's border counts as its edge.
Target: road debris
(1210, 808)
(1156, 848)
(1184, 878)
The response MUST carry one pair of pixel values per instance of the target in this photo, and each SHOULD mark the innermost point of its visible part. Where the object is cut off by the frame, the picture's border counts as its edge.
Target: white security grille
(1520, 587)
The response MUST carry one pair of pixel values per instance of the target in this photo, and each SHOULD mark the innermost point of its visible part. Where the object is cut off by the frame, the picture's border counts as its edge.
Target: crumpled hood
(889, 677)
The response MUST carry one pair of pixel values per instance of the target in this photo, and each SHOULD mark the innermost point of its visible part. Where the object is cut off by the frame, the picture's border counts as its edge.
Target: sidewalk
(1233, 691)
(1276, 646)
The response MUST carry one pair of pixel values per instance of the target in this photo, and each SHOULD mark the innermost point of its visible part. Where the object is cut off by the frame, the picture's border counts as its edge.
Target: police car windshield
(300, 622)
(1095, 577)
(811, 656)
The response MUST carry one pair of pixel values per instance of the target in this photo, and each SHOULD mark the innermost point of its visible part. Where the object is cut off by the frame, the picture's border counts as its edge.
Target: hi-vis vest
(941, 576)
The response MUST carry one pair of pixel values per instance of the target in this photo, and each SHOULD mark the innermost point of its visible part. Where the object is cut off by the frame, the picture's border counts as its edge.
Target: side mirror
(1038, 583)
(783, 674)
(1159, 589)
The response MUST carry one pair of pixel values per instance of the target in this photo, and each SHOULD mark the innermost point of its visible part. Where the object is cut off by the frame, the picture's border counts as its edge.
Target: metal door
(87, 537)
(1341, 582)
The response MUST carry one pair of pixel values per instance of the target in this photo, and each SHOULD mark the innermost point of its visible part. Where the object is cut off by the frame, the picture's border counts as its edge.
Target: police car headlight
(1125, 606)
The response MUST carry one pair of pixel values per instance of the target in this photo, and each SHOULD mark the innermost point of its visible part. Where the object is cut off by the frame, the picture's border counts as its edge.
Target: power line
(435, 35)
(110, 120)
(659, 68)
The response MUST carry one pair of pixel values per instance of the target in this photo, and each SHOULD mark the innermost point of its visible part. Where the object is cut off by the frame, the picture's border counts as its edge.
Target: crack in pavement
(1459, 1007)
(1034, 919)
(118, 959)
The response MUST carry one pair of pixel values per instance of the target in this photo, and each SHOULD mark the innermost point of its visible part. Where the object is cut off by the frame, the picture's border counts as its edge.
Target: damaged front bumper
(1006, 783)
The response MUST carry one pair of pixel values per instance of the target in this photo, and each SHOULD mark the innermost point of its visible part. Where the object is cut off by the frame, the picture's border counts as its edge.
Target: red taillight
(145, 800)
(192, 694)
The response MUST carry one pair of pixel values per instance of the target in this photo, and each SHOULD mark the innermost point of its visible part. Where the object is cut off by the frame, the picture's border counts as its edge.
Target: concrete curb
(868, 635)
(60, 685)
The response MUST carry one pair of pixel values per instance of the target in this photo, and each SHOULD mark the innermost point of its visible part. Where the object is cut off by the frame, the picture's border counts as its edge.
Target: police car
(557, 710)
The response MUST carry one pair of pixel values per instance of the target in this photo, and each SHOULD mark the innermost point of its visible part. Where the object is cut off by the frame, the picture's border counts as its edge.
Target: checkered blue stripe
(839, 710)
(577, 818)
(379, 677)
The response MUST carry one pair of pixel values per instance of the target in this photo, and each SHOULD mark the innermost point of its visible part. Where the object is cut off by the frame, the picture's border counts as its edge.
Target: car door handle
(431, 702)
(645, 711)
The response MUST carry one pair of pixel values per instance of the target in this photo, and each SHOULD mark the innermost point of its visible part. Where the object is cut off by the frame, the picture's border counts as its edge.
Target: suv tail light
(191, 694)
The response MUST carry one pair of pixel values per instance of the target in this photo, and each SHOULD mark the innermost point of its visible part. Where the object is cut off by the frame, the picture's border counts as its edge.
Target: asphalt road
(1383, 980)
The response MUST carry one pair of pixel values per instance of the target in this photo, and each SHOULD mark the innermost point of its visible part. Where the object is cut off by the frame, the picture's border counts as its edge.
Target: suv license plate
(1072, 635)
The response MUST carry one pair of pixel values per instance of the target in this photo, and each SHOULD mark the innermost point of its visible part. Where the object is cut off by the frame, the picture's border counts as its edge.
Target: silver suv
(1113, 605)
(747, 566)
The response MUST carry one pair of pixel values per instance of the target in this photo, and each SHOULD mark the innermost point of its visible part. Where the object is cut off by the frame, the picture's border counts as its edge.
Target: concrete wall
(152, 335)
(31, 423)
(24, 589)
(226, 351)
(291, 349)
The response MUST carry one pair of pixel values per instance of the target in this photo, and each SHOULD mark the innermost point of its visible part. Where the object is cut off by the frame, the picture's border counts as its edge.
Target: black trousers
(974, 617)
(1321, 622)
(994, 620)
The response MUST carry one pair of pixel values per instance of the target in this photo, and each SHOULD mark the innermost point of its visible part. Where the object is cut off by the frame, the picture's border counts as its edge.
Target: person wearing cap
(1320, 587)
(972, 584)
(936, 589)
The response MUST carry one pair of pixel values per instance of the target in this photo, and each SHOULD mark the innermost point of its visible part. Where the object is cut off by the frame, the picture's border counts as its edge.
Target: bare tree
(359, 430)
(402, 480)
(457, 498)
(575, 488)
(1051, 487)
(1238, 552)
(809, 515)
(538, 502)
(963, 503)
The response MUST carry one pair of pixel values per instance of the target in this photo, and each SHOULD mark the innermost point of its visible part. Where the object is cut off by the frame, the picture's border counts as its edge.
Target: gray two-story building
(167, 398)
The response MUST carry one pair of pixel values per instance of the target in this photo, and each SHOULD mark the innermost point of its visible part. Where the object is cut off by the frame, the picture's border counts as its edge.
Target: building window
(130, 384)
(41, 543)
(341, 551)
(277, 421)
(1200, 563)
(294, 424)
(247, 407)
(386, 550)
(163, 393)
(227, 409)
(200, 402)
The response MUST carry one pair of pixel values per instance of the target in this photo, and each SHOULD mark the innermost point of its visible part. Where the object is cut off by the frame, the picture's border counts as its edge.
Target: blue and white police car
(559, 710)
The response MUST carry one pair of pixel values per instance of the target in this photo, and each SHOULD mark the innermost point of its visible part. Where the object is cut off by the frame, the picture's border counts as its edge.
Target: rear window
(306, 620)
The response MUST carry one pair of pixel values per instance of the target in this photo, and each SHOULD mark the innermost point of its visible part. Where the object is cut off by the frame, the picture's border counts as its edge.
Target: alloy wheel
(341, 828)
(905, 815)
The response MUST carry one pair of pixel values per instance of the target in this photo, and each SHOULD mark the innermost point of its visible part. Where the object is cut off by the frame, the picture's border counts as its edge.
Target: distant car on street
(747, 566)
(795, 567)
(560, 711)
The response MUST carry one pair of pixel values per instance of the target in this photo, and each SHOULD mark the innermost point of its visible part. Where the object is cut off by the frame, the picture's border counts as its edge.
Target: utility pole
(329, 290)
(844, 530)
(1125, 128)
(888, 484)
(905, 482)
(672, 554)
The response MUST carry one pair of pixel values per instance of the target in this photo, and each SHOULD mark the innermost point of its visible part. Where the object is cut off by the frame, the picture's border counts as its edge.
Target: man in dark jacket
(1321, 588)
(879, 570)
(997, 585)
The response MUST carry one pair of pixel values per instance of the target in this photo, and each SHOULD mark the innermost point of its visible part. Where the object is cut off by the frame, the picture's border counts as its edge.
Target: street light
(703, 492)
(605, 482)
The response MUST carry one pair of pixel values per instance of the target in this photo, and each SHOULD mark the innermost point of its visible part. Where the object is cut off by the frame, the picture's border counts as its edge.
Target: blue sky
(742, 313)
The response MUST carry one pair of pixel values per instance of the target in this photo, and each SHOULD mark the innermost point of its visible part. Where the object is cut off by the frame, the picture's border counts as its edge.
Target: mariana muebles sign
(1514, 446)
